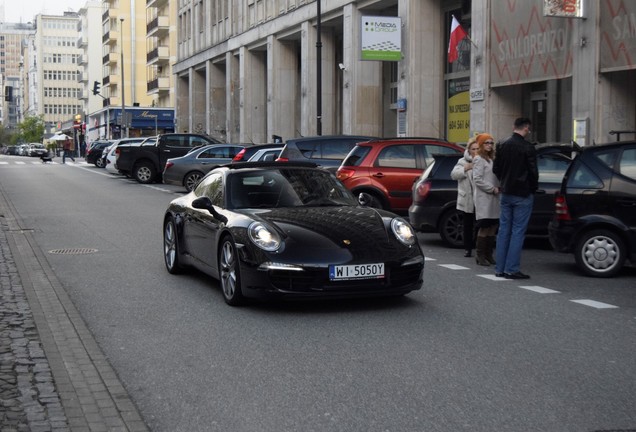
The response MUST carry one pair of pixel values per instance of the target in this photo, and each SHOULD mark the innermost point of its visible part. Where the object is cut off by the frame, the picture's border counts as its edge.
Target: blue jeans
(513, 221)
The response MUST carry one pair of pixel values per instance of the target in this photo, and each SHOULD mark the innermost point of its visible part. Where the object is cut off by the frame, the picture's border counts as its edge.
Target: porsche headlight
(263, 237)
(403, 231)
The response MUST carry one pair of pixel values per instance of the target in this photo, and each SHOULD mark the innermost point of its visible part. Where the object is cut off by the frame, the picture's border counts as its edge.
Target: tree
(32, 128)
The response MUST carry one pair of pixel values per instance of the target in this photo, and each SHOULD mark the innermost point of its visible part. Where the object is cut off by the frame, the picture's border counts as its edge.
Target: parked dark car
(187, 170)
(249, 151)
(94, 153)
(595, 217)
(145, 161)
(289, 230)
(435, 195)
(386, 168)
(327, 151)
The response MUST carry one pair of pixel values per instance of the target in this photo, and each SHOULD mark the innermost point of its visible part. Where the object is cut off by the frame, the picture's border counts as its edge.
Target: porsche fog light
(403, 231)
(263, 237)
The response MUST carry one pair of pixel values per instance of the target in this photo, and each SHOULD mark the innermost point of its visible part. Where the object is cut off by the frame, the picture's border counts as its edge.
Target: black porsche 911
(289, 230)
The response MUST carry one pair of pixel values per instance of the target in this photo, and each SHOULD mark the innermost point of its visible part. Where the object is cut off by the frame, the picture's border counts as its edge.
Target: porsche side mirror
(204, 203)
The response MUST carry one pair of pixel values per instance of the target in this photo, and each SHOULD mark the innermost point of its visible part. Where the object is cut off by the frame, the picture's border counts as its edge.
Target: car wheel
(99, 163)
(191, 180)
(229, 273)
(600, 253)
(171, 247)
(144, 173)
(451, 228)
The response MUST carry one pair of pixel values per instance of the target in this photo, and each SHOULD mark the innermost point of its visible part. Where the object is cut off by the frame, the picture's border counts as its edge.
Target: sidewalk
(53, 375)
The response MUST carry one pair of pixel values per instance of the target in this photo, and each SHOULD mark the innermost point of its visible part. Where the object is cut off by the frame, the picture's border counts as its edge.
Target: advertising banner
(618, 35)
(458, 110)
(381, 38)
(527, 46)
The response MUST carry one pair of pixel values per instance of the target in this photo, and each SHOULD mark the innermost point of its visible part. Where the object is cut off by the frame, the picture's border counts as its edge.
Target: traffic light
(96, 87)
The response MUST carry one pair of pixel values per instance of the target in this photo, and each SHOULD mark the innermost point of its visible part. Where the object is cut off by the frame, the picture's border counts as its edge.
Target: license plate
(357, 271)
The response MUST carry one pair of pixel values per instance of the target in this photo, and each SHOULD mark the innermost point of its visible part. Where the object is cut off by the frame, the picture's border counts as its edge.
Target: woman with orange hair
(486, 197)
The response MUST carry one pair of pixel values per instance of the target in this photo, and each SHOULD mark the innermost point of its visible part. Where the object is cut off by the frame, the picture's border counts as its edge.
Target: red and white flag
(457, 33)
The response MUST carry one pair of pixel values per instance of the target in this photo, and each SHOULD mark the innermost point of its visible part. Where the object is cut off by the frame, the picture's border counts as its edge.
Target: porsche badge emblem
(347, 242)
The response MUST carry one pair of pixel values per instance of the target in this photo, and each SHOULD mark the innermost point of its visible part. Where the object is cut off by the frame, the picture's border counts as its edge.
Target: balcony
(110, 58)
(158, 27)
(155, 3)
(82, 60)
(159, 84)
(159, 55)
(112, 80)
(82, 77)
(110, 37)
(108, 14)
(82, 42)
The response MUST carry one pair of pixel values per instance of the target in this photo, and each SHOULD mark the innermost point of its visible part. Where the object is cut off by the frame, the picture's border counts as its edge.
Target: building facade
(248, 69)
(14, 64)
(57, 62)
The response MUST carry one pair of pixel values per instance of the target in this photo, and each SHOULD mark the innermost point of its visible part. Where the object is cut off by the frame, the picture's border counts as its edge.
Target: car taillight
(561, 208)
(117, 152)
(239, 156)
(168, 165)
(344, 173)
(280, 159)
(423, 189)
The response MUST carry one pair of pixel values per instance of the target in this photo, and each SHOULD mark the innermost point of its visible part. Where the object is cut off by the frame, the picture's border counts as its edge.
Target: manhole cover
(73, 251)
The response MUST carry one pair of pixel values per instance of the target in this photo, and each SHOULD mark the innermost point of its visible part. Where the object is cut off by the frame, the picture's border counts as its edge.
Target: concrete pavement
(53, 375)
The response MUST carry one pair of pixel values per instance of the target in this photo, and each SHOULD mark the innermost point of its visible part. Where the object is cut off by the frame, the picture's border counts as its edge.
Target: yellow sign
(459, 117)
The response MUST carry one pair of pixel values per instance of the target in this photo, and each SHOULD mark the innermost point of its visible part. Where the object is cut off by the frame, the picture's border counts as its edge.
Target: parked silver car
(187, 170)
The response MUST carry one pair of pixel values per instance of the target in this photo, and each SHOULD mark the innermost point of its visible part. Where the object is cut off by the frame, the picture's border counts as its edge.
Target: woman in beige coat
(486, 199)
(463, 174)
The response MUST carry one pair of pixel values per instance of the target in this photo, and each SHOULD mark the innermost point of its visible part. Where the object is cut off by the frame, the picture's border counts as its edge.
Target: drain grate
(73, 251)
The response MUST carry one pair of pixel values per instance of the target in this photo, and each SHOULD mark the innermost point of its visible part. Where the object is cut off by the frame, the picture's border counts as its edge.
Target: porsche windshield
(286, 187)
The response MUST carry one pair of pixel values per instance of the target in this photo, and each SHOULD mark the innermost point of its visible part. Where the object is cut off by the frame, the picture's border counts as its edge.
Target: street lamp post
(123, 104)
(318, 71)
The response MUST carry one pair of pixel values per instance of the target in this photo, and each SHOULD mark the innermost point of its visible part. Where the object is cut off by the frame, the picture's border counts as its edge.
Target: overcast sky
(16, 11)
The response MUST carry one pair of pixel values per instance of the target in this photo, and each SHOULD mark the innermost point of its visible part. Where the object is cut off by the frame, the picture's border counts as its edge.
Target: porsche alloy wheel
(229, 273)
(600, 253)
(171, 247)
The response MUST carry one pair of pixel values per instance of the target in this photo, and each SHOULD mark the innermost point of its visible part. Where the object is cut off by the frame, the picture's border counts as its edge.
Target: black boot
(491, 241)
(480, 251)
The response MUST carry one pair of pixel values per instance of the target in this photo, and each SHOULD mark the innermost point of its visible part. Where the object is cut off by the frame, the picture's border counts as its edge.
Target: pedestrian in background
(486, 196)
(463, 174)
(68, 150)
(516, 169)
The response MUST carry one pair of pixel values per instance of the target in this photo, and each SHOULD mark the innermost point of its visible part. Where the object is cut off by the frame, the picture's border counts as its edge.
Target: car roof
(328, 137)
(276, 165)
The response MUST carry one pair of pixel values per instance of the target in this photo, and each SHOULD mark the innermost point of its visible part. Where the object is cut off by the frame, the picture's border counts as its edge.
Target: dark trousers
(469, 231)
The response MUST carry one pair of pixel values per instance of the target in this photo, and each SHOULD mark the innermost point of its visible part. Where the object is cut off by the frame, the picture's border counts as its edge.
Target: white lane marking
(429, 259)
(539, 289)
(595, 304)
(4, 163)
(158, 188)
(492, 277)
(454, 267)
(20, 163)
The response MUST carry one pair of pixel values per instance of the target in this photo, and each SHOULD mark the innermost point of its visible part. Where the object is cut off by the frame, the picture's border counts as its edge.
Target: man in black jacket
(515, 166)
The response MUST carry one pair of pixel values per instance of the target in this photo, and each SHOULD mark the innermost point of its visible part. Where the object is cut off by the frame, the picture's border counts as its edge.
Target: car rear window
(627, 165)
(584, 178)
(336, 149)
(356, 156)
(397, 156)
(306, 148)
(552, 168)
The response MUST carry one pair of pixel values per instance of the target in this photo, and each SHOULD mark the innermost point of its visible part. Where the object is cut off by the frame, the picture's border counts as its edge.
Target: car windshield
(290, 187)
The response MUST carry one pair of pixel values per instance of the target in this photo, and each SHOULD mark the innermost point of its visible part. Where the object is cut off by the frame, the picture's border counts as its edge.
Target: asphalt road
(466, 352)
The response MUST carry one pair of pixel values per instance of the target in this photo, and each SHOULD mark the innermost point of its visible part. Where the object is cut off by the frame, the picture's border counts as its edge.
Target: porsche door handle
(378, 175)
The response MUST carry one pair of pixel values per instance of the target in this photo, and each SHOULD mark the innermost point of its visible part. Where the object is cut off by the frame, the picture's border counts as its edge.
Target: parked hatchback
(595, 217)
(327, 151)
(385, 169)
(187, 170)
(435, 195)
